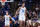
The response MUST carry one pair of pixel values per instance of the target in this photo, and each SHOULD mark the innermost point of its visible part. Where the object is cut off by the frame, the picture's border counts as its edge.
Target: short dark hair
(23, 2)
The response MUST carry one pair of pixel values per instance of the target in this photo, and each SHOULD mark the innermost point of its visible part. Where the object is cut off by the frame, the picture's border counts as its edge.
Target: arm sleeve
(12, 19)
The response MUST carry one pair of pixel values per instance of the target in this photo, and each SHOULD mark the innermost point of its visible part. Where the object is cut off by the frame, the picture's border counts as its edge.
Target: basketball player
(7, 20)
(22, 13)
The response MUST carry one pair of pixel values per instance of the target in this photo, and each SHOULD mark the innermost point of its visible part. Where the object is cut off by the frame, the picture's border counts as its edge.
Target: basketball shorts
(7, 23)
(21, 17)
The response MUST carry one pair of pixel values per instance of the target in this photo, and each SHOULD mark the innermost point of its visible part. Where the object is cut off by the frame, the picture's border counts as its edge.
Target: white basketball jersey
(22, 11)
(7, 19)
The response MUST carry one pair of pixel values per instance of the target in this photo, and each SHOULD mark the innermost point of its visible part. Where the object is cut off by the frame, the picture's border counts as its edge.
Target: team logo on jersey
(22, 10)
(6, 18)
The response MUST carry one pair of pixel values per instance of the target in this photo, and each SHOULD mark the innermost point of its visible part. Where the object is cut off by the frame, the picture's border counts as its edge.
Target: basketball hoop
(3, 2)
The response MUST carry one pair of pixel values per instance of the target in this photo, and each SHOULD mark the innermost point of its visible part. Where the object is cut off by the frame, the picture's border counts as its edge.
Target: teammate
(7, 20)
(22, 14)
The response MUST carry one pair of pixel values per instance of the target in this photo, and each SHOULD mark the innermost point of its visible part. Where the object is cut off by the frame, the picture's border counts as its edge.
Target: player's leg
(20, 20)
(5, 24)
(20, 23)
(23, 21)
(8, 25)
(27, 25)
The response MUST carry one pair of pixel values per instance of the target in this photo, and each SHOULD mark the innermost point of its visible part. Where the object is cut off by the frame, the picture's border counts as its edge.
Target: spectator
(36, 9)
(19, 3)
(0, 11)
(0, 20)
(8, 7)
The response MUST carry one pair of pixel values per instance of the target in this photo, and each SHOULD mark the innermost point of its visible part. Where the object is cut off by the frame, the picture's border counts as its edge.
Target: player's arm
(11, 18)
(18, 9)
(25, 12)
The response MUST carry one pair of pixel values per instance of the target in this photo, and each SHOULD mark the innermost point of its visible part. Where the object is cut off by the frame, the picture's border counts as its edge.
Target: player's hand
(15, 22)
